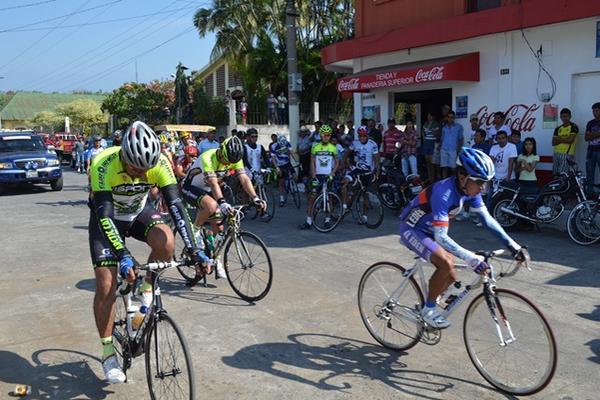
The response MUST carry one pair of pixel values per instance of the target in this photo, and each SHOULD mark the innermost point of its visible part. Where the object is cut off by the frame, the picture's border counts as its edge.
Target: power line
(130, 60)
(78, 11)
(94, 53)
(108, 21)
(92, 60)
(27, 5)
(44, 36)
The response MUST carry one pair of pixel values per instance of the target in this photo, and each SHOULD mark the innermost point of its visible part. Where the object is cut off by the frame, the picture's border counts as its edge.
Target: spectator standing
(504, 155)
(408, 151)
(526, 163)
(94, 151)
(497, 126)
(564, 140)
(271, 109)
(474, 127)
(79, 147)
(374, 133)
(209, 142)
(592, 136)
(430, 134)
(515, 138)
(479, 141)
(315, 136)
(281, 104)
(452, 140)
(244, 110)
(303, 148)
(390, 137)
(350, 125)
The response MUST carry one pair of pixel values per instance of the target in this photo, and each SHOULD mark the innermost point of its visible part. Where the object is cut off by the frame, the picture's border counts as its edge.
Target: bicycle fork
(496, 305)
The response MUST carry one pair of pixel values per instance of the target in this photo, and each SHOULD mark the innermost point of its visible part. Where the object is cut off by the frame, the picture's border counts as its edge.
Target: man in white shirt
(497, 126)
(504, 155)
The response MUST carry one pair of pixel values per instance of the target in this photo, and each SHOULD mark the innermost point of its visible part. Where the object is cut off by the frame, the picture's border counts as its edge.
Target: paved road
(305, 340)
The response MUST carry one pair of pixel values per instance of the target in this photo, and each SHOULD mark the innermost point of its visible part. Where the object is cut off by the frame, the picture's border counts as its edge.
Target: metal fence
(258, 114)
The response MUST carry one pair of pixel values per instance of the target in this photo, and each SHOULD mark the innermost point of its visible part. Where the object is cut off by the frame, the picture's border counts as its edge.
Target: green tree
(48, 121)
(251, 35)
(206, 110)
(5, 98)
(84, 114)
(151, 102)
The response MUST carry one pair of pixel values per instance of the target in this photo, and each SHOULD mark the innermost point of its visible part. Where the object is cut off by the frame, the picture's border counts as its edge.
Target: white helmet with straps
(140, 146)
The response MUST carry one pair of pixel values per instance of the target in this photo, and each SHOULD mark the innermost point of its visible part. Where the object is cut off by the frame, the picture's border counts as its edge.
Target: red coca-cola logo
(518, 116)
(434, 74)
(350, 84)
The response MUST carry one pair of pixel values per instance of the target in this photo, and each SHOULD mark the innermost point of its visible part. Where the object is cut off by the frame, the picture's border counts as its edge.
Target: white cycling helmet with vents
(140, 146)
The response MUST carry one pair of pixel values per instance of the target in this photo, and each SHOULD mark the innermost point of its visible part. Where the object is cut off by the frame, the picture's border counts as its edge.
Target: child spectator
(526, 163)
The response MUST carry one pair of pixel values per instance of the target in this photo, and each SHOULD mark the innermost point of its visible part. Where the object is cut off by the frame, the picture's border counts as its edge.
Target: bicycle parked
(291, 186)
(508, 339)
(169, 370)
(583, 223)
(245, 257)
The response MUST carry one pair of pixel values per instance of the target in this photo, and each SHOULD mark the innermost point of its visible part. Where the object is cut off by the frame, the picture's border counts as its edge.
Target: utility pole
(294, 78)
(136, 73)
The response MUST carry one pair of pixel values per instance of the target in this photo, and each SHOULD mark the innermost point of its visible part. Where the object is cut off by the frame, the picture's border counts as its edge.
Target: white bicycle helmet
(140, 146)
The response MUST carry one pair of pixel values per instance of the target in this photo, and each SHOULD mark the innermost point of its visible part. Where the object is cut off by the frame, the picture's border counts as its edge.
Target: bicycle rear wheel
(248, 265)
(525, 364)
(327, 215)
(369, 209)
(269, 197)
(187, 271)
(169, 370)
(120, 335)
(388, 304)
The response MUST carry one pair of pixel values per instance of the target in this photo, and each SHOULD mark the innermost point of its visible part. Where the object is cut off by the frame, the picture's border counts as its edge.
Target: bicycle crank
(430, 336)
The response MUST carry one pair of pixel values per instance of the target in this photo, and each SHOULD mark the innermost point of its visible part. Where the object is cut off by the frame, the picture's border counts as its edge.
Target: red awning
(461, 68)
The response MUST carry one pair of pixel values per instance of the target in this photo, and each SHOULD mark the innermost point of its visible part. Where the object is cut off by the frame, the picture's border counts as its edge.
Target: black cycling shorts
(100, 249)
(193, 194)
(286, 169)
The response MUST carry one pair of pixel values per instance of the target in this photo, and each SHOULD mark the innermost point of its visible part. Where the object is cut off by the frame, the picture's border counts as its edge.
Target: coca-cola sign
(464, 68)
(518, 116)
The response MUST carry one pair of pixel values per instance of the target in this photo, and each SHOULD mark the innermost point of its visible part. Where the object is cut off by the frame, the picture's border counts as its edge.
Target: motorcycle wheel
(505, 220)
(390, 196)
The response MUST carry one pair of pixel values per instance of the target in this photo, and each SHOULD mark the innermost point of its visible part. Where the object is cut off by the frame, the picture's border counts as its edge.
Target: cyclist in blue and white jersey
(281, 155)
(425, 221)
(366, 159)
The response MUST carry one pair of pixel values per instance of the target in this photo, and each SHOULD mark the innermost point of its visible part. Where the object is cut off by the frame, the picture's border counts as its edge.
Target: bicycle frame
(488, 281)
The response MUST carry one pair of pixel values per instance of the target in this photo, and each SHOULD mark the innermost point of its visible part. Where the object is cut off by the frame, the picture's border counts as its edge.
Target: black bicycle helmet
(232, 149)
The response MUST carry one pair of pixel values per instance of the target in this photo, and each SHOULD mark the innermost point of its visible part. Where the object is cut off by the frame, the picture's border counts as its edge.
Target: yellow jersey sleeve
(104, 168)
(162, 173)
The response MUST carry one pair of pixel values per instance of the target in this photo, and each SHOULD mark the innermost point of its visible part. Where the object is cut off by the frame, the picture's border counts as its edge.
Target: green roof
(24, 105)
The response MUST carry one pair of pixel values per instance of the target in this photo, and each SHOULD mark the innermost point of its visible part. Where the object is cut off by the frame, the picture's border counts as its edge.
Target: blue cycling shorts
(418, 241)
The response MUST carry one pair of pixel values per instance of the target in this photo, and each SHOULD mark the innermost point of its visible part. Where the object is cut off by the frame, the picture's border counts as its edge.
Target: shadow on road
(595, 348)
(335, 358)
(72, 203)
(209, 294)
(54, 374)
(593, 316)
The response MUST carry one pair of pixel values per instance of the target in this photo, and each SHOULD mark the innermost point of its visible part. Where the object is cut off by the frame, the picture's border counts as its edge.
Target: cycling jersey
(324, 155)
(254, 155)
(281, 153)
(425, 221)
(129, 194)
(208, 166)
(120, 206)
(364, 153)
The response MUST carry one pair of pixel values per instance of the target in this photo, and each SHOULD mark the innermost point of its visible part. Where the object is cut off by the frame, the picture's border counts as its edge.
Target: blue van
(24, 158)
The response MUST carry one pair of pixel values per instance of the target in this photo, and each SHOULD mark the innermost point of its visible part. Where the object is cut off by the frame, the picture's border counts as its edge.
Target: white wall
(568, 50)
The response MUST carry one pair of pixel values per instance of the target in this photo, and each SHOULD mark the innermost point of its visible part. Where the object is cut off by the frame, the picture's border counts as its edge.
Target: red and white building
(478, 56)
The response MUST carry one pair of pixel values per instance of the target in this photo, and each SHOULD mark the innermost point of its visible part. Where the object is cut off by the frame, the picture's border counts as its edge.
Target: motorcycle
(510, 203)
(395, 190)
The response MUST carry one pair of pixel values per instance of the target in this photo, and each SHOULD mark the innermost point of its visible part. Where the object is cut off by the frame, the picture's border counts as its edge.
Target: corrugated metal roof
(24, 105)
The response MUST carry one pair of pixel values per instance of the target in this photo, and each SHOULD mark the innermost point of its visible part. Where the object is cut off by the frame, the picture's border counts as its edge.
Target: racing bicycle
(169, 370)
(365, 206)
(245, 258)
(508, 339)
(327, 209)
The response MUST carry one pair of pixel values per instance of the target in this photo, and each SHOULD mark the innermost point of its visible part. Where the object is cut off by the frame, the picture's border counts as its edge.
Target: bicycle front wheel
(169, 370)
(248, 266)
(327, 214)
(369, 209)
(294, 192)
(268, 196)
(388, 303)
(525, 361)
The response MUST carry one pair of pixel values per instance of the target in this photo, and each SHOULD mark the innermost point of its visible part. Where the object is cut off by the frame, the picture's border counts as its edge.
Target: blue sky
(93, 55)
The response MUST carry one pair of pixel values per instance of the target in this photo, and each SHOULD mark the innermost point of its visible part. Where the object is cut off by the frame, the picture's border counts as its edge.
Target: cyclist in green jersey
(121, 178)
(323, 164)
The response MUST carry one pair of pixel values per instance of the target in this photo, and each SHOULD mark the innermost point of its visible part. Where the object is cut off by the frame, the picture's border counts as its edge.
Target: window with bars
(221, 81)
(209, 86)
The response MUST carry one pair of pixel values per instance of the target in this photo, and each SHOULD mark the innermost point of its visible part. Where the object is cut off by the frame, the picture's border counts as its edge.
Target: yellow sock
(107, 347)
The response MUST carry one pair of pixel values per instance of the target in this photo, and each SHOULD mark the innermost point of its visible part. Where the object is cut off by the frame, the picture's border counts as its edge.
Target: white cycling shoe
(112, 370)
(433, 318)
(220, 270)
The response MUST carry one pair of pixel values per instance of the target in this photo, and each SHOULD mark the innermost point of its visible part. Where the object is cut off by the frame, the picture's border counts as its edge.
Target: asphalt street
(305, 340)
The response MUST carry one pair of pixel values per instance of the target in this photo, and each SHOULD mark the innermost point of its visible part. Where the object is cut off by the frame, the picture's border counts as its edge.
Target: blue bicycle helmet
(476, 163)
